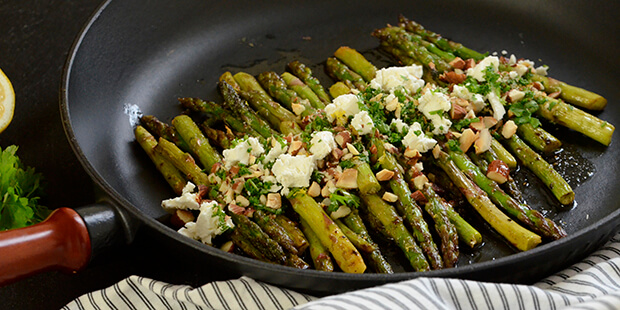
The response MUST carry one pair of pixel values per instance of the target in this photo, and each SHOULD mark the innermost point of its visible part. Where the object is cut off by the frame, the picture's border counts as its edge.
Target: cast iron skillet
(147, 54)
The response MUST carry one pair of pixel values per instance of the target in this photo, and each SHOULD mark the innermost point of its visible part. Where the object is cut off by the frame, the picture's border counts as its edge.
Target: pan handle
(65, 241)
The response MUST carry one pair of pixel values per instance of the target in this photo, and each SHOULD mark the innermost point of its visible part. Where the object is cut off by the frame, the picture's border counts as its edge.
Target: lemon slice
(7, 101)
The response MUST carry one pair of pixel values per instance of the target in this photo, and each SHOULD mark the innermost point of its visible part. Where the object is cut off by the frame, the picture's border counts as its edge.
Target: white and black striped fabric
(593, 284)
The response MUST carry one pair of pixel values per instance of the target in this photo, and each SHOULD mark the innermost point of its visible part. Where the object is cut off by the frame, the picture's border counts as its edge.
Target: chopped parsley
(342, 198)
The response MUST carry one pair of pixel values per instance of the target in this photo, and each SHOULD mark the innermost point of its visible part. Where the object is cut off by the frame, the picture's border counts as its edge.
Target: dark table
(35, 38)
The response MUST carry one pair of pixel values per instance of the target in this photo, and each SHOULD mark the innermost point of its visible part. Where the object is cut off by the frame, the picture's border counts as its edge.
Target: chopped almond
(237, 187)
(498, 171)
(392, 105)
(389, 197)
(327, 189)
(489, 121)
(419, 197)
(296, 145)
(228, 246)
(538, 85)
(420, 181)
(453, 77)
(385, 175)
(436, 151)
(469, 63)
(274, 201)
(478, 126)
(341, 212)
(515, 95)
(457, 111)
(242, 201)
(483, 143)
(458, 63)
(509, 129)
(348, 179)
(297, 108)
(343, 138)
(555, 95)
(352, 149)
(181, 217)
(467, 139)
(314, 190)
(236, 209)
(412, 153)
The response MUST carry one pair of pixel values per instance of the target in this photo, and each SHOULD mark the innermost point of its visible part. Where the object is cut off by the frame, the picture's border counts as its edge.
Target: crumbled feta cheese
(477, 71)
(342, 106)
(278, 148)
(399, 125)
(417, 140)
(293, 171)
(362, 123)
(389, 79)
(497, 105)
(210, 222)
(321, 144)
(464, 93)
(542, 70)
(187, 200)
(242, 151)
(432, 104)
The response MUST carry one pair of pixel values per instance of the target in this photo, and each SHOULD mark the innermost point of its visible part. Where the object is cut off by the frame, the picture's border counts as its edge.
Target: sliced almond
(389, 197)
(509, 129)
(181, 217)
(498, 171)
(352, 149)
(483, 143)
(384, 175)
(348, 179)
(314, 190)
(274, 201)
(467, 139)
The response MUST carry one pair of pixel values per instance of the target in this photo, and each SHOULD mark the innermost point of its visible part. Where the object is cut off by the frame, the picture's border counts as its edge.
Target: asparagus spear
(358, 241)
(395, 229)
(304, 91)
(339, 88)
(275, 231)
(447, 232)
(521, 211)
(502, 154)
(198, 143)
(260, 240)
(299, 240)
(161, 129)
(240, 108)
(539, 138)
(357, 62)
(542, 169)
(375, 258)
(366, 181)
(304, 73)
(248, 248)
(483, 160)
(182, 161)
(320, 254)
(170, 173)
(276, 88)
(280, 118)
(217, 112)
(340, 72)
(344, 253)
(220, 138)
(566, 115)
(515, 234)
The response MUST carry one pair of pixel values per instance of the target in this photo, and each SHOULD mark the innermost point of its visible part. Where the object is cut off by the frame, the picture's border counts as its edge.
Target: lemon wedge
(7, 101)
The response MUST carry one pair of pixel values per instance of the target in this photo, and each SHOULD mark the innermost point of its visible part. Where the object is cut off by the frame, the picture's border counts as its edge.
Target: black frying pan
(148, 54)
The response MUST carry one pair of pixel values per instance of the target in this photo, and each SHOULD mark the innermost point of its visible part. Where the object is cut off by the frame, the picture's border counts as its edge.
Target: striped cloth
(593, 283)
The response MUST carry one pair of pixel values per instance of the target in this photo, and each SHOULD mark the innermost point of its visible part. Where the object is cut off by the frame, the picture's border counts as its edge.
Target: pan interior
(147, 56)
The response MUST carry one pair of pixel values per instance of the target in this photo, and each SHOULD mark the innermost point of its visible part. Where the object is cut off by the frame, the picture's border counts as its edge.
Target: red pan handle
(61, 242)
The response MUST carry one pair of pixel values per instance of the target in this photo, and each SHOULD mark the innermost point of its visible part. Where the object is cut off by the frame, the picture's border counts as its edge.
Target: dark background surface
(35, 38)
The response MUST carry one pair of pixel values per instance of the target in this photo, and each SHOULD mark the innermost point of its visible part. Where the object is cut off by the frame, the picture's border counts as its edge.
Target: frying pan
(146, 54)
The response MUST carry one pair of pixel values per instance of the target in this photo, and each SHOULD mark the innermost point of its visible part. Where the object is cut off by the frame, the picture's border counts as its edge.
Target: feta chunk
(322, 143)
(389, 79)
(399, 125)
(187, 201)
(242, 151)
(432, 104)
(278, 148)
(342, 106)
(417, 140)
(477, 72)
(362, 123)
(293, 171)
(497, 105)
(210, 222)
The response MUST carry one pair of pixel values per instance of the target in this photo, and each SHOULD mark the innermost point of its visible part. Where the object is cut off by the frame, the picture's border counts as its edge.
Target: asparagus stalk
(198, 143)
(247, 246)
(345, 254)
(510, 186)
(521, 211)
(358, 241)
(366, 181)
(319, 254)
(276, 88)
(304, 91)
(340, 72)
(280, 118)
(566, 115)
(515, 234)
(503, 154)
(304, 73)
(339, 88)
(260, 240)
(375, 258)
(161, 129)
(357, 62)
(542, 169)
(170, 173)
(240, 108)
(539, 138)
(275, 231)
(299, 240)
(393, 227)
(218, 137)
(217, 112)
(407, 207)
(436, 208)
(182, 161)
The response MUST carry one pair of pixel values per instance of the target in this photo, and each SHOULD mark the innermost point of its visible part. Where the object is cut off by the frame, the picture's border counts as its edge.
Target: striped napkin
(593, 283)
